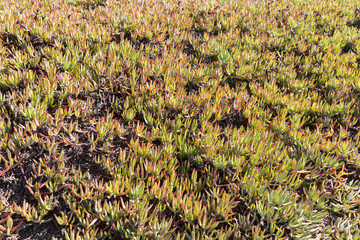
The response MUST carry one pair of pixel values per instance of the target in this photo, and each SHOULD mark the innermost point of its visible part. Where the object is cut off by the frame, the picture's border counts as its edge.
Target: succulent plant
(186, 119)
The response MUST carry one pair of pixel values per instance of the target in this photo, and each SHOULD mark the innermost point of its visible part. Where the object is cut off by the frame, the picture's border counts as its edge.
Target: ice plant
(179, 119)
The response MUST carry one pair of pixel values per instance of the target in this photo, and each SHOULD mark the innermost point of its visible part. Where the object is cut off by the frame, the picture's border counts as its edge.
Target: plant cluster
(169, 119)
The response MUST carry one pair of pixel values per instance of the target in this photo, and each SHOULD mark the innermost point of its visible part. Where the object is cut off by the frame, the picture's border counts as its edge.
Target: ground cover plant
(179, 119)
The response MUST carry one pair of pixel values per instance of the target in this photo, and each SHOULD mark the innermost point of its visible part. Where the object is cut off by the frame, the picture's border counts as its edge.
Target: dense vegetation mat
(179, 119)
